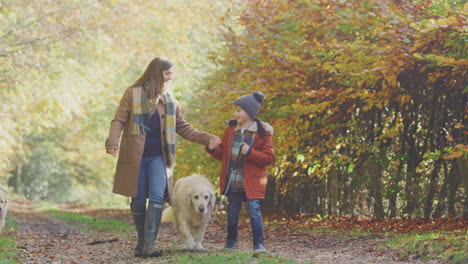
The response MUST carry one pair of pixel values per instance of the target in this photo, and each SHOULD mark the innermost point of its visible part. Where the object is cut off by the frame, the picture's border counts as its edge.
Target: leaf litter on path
(44, 239)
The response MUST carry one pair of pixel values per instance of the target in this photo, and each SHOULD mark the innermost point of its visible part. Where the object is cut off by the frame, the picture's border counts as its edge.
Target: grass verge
(227, 257)
(431, 246)
(8, 248)
(86, 223)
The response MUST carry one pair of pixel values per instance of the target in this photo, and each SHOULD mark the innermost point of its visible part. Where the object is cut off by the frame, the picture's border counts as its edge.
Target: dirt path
(43, 239)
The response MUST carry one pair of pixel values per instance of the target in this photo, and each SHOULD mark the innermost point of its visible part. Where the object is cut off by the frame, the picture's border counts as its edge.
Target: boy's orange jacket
(260, 156)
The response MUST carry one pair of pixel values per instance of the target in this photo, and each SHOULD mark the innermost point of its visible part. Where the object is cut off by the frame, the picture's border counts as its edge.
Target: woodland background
(368, 98)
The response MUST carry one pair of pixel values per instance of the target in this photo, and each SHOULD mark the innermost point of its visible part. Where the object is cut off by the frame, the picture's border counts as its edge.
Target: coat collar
(262, 127)
(252, 128)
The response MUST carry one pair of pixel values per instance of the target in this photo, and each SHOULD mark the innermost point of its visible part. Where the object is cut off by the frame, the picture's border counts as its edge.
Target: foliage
(363, 95)
(46, 176)
(65, 65)
(367, 98)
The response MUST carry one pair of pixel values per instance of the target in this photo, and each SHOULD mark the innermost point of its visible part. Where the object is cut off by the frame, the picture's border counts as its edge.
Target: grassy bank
(431, 246)
(8, 248)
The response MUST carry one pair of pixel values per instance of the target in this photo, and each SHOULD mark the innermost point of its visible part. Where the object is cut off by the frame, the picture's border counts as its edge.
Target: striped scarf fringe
(170, 128)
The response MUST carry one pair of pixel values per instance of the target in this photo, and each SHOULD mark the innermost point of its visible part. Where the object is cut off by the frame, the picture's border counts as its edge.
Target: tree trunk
(270, 202)
(462, 163)
(392, 207)
(442, 205)
(373, 167)
(18, 182)
(411, 187)
(346, 203)
(332, 187)
(455, 180)
(431, 190)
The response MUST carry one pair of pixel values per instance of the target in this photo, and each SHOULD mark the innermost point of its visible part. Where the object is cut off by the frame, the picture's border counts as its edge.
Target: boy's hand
(214, 142)
(245, 148)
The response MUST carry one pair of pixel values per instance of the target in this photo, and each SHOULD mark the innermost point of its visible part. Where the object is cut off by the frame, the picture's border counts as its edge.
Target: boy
(245, 151)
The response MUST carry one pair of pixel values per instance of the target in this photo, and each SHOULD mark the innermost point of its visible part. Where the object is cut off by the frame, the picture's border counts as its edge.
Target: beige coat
(131, 146)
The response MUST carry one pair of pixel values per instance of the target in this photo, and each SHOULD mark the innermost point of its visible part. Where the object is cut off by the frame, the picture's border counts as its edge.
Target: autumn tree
(367, 98)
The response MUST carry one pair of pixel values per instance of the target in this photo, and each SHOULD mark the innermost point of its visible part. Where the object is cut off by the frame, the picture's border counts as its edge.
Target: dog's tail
(168, 215)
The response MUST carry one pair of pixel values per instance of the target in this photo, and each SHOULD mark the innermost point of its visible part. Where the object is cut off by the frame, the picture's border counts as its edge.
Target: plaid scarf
(141, 109)
(236, 163)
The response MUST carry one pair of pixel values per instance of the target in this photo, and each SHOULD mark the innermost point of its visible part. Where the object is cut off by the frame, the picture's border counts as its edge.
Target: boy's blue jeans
(151, 183)
(253, 207)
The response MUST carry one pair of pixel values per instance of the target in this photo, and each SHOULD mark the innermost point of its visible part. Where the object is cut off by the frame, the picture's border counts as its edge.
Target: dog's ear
(189, 197)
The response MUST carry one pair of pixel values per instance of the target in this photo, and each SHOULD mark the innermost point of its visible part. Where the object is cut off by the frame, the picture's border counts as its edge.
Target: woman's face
(167, 75)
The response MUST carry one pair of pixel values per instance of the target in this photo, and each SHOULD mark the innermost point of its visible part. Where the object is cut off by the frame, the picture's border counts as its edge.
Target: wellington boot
(139, 221)
(153, 219)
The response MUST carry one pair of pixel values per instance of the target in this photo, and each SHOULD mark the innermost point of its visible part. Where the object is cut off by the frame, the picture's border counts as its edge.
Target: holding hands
(214, 142)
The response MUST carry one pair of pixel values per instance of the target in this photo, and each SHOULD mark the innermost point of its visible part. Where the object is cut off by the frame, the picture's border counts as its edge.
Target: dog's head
(203, 200)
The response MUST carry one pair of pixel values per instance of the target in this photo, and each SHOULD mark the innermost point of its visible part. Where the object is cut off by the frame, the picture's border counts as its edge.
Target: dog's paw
(199, 247)
(189, 244)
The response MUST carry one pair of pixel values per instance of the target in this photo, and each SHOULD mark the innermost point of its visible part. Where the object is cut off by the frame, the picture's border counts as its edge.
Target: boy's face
(240, 115)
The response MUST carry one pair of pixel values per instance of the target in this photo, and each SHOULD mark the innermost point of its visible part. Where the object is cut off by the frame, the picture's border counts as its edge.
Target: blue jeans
(151, 183)
(253, 207)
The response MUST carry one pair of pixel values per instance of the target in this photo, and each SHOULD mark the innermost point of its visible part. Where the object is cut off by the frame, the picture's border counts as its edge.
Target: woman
(148, 118)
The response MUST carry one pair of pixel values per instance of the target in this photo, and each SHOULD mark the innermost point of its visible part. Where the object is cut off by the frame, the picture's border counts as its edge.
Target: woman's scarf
(141, 109)
(170, 128)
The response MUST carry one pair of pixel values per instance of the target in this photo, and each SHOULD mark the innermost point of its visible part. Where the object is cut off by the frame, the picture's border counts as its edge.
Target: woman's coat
(132, 146)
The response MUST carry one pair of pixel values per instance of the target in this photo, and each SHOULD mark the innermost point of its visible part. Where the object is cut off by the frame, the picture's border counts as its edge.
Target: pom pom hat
(250, 103)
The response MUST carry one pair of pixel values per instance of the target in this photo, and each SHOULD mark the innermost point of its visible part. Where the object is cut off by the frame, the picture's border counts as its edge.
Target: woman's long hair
(152, 79)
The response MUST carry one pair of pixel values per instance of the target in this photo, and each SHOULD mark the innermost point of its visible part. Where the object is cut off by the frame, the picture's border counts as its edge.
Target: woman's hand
(112, 151)
(214, 142)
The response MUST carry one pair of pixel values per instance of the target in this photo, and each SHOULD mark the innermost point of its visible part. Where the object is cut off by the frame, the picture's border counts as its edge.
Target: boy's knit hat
(250, 103)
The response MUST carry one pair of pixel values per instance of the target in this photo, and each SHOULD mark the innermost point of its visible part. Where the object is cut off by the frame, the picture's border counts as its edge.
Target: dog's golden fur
(192, 203)
(3, 209)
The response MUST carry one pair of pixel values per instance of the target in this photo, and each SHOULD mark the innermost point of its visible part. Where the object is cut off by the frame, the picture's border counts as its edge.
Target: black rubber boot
(153, 219)
(139, 221)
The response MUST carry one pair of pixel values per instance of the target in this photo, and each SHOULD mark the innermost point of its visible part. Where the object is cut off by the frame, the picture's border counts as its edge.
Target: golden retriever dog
(193, 199)
(3, 209)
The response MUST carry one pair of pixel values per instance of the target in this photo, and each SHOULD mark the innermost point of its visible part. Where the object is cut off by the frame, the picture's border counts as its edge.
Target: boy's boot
(257, 233)
(231, 236)
(139, 220)
(153, 219)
